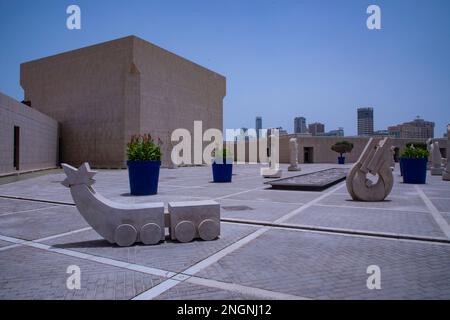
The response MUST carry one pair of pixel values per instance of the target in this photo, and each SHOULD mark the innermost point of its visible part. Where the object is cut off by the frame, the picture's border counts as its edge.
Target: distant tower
(258, 126)
(300, 125)
(316, 128)
(365, 121)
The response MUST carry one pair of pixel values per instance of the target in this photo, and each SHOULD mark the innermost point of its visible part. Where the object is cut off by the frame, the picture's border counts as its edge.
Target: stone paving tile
(301, 263)
(446, 217)
(443, 205)
(12, 205)
(398, 191)
(113, 183)
(190, 291)
(270, 195)
(408, 204)
(379, 220)
(29, 273)
(47, 187)
(208, 192)
(328, 266)
(255, 210)
(5, 243)
(168, 255)
(43, 223)
(154, 198)
(438, 193)
(435, 182)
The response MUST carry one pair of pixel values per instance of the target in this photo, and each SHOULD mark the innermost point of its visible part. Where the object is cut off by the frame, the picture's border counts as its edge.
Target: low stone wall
(319, 148)
(38, 137)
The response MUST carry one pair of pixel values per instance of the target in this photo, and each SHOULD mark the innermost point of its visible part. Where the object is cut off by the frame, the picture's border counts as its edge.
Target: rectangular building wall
(84, 90)
(174, 92)
(36, 137)
(103, 94)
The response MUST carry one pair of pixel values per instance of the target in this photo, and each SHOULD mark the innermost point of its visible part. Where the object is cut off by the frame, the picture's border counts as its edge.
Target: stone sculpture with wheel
(376, 160)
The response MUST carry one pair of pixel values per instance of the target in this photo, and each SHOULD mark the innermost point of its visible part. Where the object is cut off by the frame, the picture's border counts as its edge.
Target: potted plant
(222, 166)
(414, 165)
(144, 161)
(342, 147)
(416, 145)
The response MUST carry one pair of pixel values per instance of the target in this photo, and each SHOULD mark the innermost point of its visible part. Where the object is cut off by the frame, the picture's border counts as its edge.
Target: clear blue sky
(282, 59)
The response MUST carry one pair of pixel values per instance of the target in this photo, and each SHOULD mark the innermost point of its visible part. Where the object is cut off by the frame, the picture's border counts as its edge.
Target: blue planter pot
(341, 160)
(144, 176)
(222, 172)
(414, 170)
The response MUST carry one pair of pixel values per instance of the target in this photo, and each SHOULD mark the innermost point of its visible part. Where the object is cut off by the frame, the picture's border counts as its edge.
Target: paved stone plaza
(275, 244)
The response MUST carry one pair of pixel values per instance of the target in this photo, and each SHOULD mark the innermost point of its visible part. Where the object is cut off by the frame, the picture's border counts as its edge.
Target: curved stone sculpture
(375, 159)
(436, 160)
(293, 150)
(116, 222)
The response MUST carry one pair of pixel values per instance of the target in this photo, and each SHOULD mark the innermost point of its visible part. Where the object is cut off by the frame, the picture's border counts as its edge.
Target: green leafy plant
(342, 147)
(142, 147)
(222, 153)
(413, 152)
(417, 145)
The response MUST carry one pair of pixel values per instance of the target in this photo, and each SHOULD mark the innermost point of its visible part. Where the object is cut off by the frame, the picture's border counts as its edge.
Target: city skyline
(417, 128)
(314, 59)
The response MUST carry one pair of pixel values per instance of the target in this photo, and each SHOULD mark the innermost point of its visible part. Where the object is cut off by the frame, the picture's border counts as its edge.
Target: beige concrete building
(103, 94)
(28, 138)
(418, 128)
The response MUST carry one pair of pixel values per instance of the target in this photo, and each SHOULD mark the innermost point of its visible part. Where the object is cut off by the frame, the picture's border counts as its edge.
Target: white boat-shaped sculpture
(123, 224)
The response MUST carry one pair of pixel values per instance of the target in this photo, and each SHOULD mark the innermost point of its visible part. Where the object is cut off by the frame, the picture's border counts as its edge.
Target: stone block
(194, 219)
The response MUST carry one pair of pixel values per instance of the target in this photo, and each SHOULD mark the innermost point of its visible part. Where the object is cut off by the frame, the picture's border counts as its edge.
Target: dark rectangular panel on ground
(315, 181)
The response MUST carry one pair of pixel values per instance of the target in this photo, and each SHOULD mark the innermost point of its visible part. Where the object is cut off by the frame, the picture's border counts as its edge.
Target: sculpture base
(446, 176)
(436, 171)
(271, 173)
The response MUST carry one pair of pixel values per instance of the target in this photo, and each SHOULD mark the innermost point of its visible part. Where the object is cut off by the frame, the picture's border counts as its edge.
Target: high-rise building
(300, 125)
(365, 121)
(416, 129)
(316, 128)
(258, 126)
